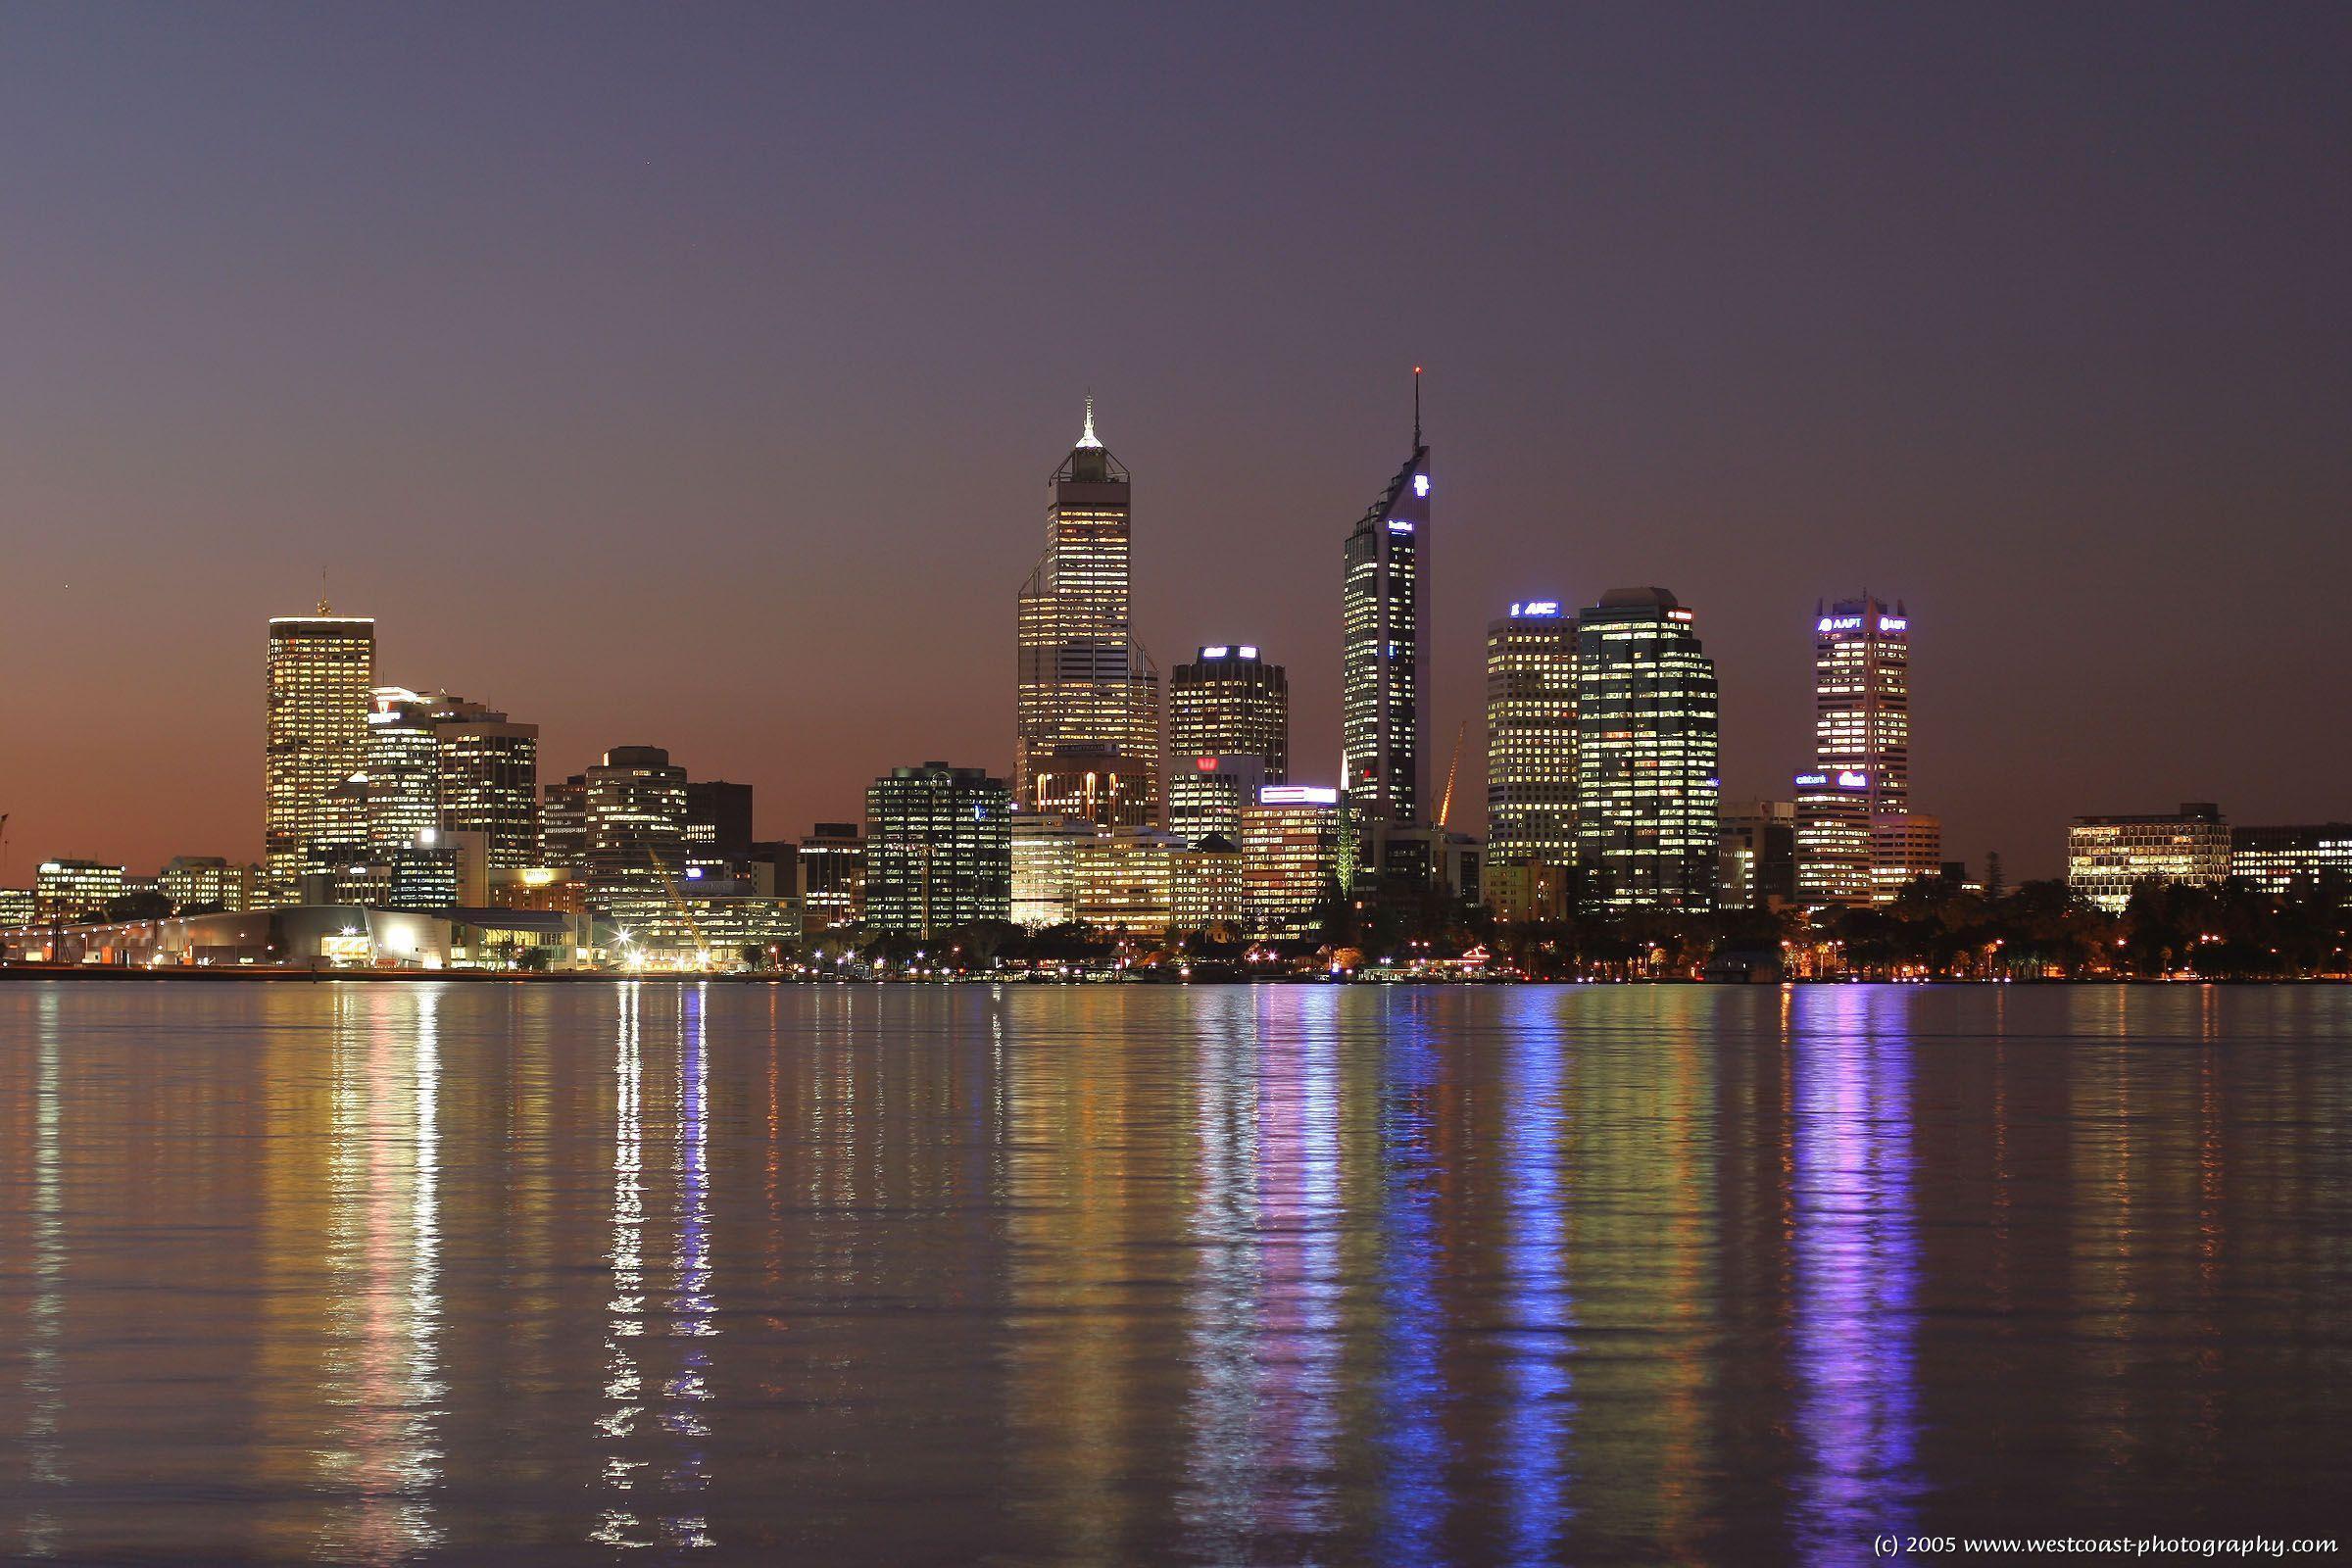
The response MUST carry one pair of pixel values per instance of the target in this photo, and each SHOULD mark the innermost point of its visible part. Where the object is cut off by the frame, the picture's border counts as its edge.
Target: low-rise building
(2107, 856)
(1045, 866)
(74, 889)
(207, 882)
(2292, 860)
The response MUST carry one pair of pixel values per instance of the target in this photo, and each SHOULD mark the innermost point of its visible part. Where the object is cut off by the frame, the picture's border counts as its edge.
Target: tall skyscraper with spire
(1087, 690)
(1384, 658)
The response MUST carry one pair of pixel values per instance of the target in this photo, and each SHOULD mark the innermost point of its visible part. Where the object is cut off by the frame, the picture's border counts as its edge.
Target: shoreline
(256, 974)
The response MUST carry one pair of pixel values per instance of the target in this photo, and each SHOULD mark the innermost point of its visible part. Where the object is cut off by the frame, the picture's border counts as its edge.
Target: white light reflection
(44, 1387)
(379, 1453)
(655, 1418)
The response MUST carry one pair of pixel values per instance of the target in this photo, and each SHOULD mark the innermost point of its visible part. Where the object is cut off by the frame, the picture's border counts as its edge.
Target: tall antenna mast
(1416, 408)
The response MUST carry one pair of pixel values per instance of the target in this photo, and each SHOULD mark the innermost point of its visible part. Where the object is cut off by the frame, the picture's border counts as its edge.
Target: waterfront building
(403, 769)
(1904, 847)
(1646, 755)
(1206, 892)
(1298, 852)
(938, 849)
(1229, 702)
(554, 889)
(832, 876)
(19, 907)
(1084, 682)
(1384, 658)
(1756, 855)
(563, 823)
(2107, 856)
(1522, 891)
(1103, 787)
(1045, 866)
(2293, 859)
(207, 882)
(1206, 794)
(1126, 881)
(1531, 735)
(69, 891)
(714, 923)
(321, 684)
(488, 770)
(1861, 753)
(635, 829)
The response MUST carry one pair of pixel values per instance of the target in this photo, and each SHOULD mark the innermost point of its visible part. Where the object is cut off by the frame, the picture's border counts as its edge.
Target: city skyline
(531, 391)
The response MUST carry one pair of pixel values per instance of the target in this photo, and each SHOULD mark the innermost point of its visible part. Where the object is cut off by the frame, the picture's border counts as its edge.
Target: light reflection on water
(393, 1273)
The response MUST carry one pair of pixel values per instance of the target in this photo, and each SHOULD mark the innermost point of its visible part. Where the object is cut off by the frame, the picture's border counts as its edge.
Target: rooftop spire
(1416, 408)
(325, 609)
(1087, 437)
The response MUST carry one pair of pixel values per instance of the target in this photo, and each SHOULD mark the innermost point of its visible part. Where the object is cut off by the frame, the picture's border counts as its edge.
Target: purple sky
(690, 375)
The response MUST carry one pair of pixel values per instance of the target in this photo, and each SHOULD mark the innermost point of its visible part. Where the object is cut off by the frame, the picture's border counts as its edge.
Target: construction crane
(669, 885)
(1446, 802)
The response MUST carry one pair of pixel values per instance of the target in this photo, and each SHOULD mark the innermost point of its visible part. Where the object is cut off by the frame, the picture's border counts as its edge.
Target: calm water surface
(538, 1274)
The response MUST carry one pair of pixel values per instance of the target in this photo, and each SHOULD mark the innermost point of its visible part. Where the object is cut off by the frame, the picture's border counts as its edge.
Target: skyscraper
(635, 829)
(1530, 736)
(489, 767)
(403, 768)
(1229, 702)
(938, 849)
(1647, 754)
(1861, 770)
(563, 823)
(1085, 684)
(1383, 658)
(322, 681)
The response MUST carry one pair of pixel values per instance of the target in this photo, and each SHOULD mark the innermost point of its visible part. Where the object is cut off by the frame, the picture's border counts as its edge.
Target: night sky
(691, 376)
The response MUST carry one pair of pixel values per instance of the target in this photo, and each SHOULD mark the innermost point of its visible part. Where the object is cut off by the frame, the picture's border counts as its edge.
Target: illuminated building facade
(635, 829)
(563, 823)
(489, 780)
(1646, 743)
(2293, 859)
(1298, 852)
(2107, 856)
(1045, 866)
(1904, 847)
(1229, 702)
(1383, 655)
(1206, 794)
(19, 907)
(74, 889)
(1530, 736)
(1861, 770)
(206, 882)
(321, 685)
(404, 766)
(1206, 887)
(1107, 789)
(1084, 684)
(1126, 881)
(1523, 891)
(938, 849)
(831, 868)
(1756, 858)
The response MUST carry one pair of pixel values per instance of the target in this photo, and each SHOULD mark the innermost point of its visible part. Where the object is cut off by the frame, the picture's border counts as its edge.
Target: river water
(376, 1272)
